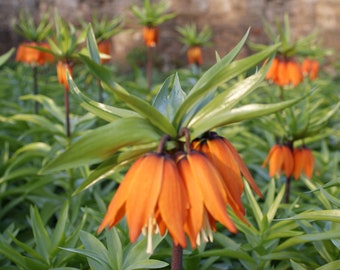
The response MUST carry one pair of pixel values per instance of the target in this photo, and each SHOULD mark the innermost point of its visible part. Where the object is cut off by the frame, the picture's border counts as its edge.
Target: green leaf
(13, 256)
(106, 112)
(328, 215)
(139, 105)
(253, 204)
(114, 248)
(330, 266)
(103, 142)
(59, 231)
(137, 252)
(168, 100)
(308, 238)
(148, 264)
(227, 99)
(228, 253)
(91, 44)
(6, 56)
(245, 112)
(41, 236)
(275, 205)
(221, 72)
(48, 104)
(100, 257)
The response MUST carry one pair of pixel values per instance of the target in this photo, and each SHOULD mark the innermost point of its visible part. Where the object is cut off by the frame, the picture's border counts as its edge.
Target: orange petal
(195, 214)
(294, 72)
(222, 158)
(288, 161)
(116, 207)
(210, 182)
(309, 163)
(299, 161)
(172, 202)
(243, 168)
(282, 74)
(272, 71)
(143, 196)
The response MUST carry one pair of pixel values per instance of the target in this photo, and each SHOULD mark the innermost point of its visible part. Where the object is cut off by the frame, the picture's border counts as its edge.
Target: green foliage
(30, 30)
(152, 14)
(190, 36)
(54, 189)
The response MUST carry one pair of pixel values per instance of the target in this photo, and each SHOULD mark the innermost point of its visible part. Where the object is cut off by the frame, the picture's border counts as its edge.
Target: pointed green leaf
(6, 56)
(329, 215)
(148, 264)
(106, 112)
(91, 44)
(103, 142)
(168, 100)
(253, 204)
(48, 104)
(239, 114)
(275, 205)
(308, 238)
(330, 266)
(41, 236)
(218, 74)
(139, 105)
(114, 248)
(227, 99)
(59, 231)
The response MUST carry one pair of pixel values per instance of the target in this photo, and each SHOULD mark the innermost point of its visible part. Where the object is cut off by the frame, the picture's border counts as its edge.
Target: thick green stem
(176, 260)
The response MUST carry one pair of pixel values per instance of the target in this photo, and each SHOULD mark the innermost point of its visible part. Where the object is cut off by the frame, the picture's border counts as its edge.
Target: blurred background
(228, 19)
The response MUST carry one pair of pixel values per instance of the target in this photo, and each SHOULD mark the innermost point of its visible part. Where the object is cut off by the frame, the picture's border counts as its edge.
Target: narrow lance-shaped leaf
(92, 44)
(239, 114)
(227, 99)
(207, 77)
(106, 112)
(139, 105)
(101, 143)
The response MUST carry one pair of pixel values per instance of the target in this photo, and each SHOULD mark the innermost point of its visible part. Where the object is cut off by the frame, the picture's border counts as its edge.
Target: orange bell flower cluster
(194, 55)
(184, 193)
(150, 35)
(283, 159)
(285, 72)
(26, 53)
(104, 47)
(62, 67)
(310, 68)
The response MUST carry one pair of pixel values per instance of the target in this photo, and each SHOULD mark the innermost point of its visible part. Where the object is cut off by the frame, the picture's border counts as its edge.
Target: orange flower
(280, 159)
(150, 35)
(272, 71)
(45, 57)
(152, 196)
(294, 72)
(231, 167)
(194, 55)
(284, 72)
(104, 47)
(303, 161)
(32, 56)
(310, 68)
(27, 54)
(62, 67)
(206, 194)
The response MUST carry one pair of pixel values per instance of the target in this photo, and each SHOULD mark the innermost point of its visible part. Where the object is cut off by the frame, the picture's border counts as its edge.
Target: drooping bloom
(152, 196)
(194, 55)
(303, 162)
(150, 35)
(206, 194)
(26, 53)
(62, 67)
(104, 47)
(231, 167)
(310, 68)
(285, 72)
(280, 159)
